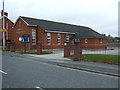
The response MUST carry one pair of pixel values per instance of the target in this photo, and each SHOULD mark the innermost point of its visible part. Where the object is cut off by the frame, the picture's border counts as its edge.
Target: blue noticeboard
(26, 38)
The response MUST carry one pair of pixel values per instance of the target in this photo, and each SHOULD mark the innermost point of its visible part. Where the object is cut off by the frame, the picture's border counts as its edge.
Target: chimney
(5, 13)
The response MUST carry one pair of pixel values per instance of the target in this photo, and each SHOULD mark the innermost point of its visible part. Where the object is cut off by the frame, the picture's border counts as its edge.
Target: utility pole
(3, 27)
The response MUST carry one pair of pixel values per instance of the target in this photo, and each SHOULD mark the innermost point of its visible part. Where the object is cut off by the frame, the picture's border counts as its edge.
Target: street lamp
(20, 39)
(3, 27)
(65, 43)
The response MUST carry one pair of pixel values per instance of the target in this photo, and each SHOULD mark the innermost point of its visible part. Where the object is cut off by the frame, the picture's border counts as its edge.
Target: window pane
(33, 36)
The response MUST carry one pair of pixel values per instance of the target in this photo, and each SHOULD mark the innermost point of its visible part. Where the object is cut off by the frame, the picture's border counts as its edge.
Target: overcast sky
(100, 15)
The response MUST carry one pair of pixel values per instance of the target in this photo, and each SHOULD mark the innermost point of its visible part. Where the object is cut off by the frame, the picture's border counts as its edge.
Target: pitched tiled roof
(81, 31)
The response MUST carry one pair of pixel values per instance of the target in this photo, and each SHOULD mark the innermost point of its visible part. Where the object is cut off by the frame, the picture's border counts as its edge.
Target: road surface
(24, 72)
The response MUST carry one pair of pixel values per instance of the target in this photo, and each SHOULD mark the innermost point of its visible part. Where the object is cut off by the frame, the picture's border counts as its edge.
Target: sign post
(3, 27)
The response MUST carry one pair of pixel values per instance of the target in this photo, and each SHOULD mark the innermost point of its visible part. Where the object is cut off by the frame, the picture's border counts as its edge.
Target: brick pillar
(7, 46)
(39, 48)
(23, 48)
(77, 51)
(12, 46)
(67, 50)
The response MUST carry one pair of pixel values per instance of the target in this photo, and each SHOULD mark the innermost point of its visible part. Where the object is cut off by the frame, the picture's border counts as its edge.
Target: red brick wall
(94, 43)
(0, 32)
(10, 30)
(54, 44)
(22, 28)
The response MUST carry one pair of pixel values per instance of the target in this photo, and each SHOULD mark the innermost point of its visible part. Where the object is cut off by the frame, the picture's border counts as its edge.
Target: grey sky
(100, 15)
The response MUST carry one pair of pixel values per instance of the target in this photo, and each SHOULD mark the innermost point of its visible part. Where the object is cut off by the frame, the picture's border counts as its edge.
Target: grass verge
(113, 59)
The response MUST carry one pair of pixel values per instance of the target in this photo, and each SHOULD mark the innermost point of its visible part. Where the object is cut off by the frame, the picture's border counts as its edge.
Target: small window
(33, 37)
(59, 39)
(6, 25)
(67, 37)
(86, 40)
(101, 41)
(48, 38)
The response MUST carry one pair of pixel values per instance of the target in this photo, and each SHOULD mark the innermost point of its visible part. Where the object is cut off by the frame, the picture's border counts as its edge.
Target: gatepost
(77, 50)
(39, 47)
(12, 46)
(66, 49)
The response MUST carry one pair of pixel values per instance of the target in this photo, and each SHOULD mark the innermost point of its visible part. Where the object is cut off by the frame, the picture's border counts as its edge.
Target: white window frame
(48, 38)
(86, 40)
(7, 25)
(58, 38)
(33, 37)
(101, 40)
(67, 37)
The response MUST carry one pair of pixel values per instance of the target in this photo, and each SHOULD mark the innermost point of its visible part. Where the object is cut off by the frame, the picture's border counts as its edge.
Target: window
(48, 38)
(59, 38)
(6, 25)
(67, 37)
(100, 40)
(33, 36)
(86, 40)
(6, 33)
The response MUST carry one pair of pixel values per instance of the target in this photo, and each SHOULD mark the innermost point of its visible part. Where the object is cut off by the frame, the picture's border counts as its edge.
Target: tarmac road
(23, 72)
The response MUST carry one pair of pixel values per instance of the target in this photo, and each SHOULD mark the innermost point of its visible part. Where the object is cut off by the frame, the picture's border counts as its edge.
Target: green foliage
(117, 37)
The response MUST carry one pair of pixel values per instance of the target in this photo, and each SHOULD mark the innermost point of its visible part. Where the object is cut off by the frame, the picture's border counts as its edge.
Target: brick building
(9, 35)
(52, 34)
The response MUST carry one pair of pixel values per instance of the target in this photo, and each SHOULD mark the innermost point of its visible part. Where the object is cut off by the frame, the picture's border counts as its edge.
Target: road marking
(2, 72)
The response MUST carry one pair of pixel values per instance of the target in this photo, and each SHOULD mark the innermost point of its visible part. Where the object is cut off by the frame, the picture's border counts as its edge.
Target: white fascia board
(59, 32)
(6, 18)
(17, 21)
(24, 21)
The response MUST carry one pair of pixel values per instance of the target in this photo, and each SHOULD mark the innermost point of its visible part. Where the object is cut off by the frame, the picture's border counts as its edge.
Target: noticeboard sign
(26, 38)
